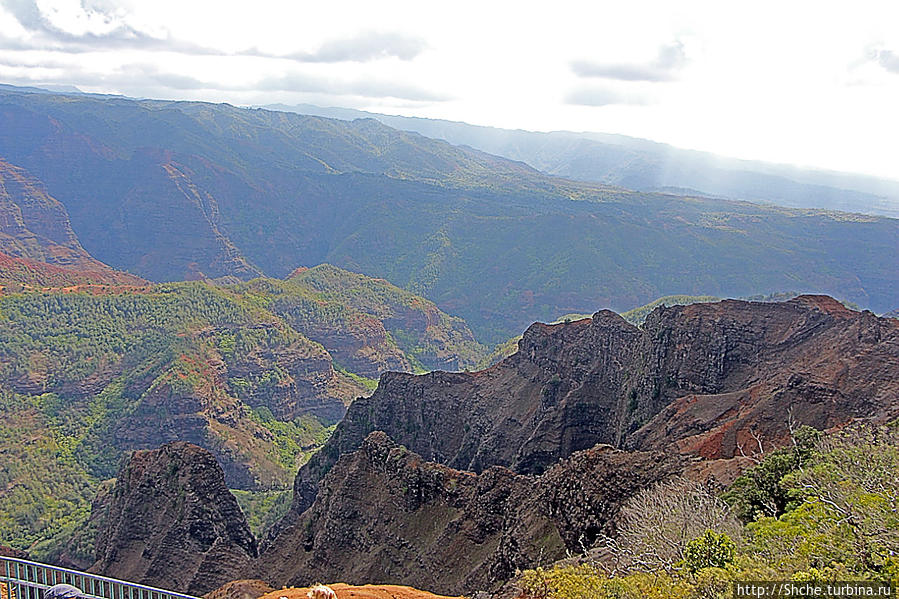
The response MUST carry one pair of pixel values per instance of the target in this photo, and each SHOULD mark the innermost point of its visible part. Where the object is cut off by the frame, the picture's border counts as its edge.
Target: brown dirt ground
(369, 591)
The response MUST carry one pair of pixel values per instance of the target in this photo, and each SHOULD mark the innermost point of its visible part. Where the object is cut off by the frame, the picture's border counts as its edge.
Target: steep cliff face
(211, 400)
(708, 377)
(737, 375)
(385, 515)
(360, 343)
(37, 244)
(33, 224)
(172, 523)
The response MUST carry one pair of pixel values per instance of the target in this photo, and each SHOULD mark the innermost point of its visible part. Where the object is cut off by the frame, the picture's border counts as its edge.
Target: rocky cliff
(33, 224)
(384, 515)
(232, 367)
(739, 375)
(172, 523)
(710, 378)
(37, 244)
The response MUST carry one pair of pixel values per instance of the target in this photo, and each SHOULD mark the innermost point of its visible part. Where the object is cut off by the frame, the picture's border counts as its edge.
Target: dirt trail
(369, 591)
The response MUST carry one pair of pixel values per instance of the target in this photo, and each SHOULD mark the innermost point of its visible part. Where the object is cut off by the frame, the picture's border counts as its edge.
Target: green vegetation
(18, 275)
(295, 440)
(571, 318)
(55, 339)
(636, 316)
(711, 550)
(263, 508)
(764, 489)
(842, 524)
(76, 368)
(501, 352)
(47, 492)
(364, 382)
(326, 301)
(81, 372)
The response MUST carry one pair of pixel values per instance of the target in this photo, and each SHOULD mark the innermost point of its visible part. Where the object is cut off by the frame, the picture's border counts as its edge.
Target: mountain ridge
(194, 190)
(700, 391)
(600, 380)
(35, 230)
(647, 165)
(456, 481)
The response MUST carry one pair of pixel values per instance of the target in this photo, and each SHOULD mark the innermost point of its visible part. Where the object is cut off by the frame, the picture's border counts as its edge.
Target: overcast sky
(809, 83)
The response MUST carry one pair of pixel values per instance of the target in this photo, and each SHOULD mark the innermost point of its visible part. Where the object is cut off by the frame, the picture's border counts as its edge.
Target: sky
(807, 83)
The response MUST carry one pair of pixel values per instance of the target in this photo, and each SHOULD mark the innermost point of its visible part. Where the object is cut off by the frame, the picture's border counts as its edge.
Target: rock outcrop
(33, 224)
(384, 515)
(360, 344)
(740, 373)
(707, 379)
(171, 522)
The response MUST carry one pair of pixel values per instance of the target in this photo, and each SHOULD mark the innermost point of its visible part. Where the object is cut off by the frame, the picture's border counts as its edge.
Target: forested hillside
(255, 372)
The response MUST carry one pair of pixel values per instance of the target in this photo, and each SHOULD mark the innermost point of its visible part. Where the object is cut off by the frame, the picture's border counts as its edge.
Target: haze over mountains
(175, 190)
(650, 166)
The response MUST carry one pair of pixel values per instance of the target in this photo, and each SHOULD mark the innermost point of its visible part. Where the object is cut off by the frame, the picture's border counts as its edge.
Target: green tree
(711, 550)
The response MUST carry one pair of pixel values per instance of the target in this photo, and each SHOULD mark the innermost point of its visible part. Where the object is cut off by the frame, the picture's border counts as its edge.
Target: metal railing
(21, 579)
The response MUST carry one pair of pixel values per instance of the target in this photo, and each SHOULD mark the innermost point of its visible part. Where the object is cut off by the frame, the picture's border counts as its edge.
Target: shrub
(711, 550)
(656, 525)
(761, 490)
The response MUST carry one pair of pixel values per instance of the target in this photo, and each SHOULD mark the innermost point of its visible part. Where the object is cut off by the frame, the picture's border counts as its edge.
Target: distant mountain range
(645, 165)
(185, 190)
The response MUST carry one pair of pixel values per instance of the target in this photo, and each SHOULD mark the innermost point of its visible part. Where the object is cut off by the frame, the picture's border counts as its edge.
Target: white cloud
(605, 95)
(767, 80)
(671, 58)
(365, 47)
